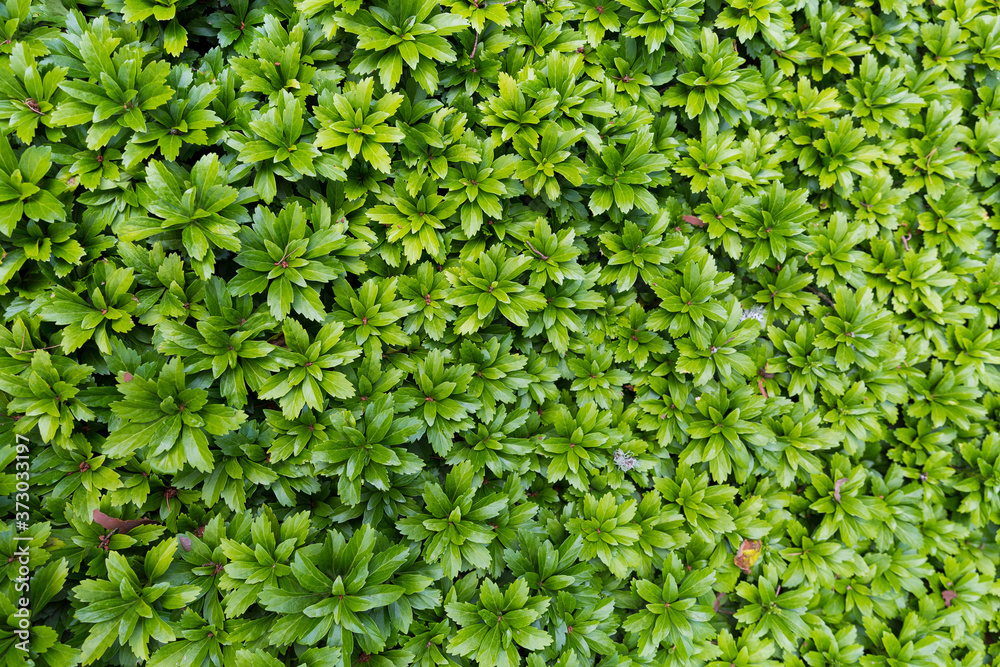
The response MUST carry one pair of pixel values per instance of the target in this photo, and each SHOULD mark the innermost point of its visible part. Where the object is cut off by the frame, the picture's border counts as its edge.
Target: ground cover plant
(490, 333)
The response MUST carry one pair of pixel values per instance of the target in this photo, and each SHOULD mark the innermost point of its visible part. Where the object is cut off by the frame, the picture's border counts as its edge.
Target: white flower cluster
(625, 461)
(755, 313)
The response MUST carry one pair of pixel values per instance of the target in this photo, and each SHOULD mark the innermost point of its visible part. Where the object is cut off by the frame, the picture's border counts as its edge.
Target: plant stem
(475, 45)
(825, 297)
(544, 257)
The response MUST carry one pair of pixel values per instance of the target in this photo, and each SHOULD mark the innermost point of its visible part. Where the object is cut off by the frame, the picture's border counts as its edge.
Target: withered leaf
(837, 486)
(121, 525)
(748, 555)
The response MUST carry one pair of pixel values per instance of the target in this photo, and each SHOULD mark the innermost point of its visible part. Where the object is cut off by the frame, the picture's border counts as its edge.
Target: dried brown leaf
(748, 555)
(837, 486)
(121, 525)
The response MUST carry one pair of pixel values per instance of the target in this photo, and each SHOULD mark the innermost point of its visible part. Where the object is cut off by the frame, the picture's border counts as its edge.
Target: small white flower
(625, 461)
(754, 313)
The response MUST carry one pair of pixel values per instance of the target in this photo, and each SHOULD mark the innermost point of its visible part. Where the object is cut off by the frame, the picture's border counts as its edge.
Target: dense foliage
(490, 333)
